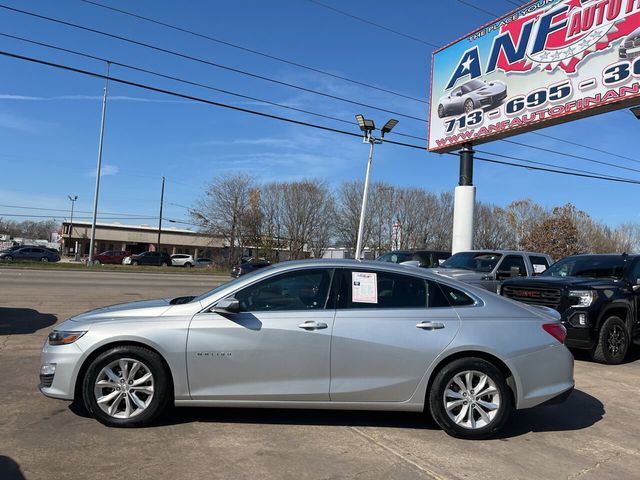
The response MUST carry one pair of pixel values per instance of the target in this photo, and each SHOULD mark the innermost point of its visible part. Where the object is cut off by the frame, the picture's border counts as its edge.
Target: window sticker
(364, 287)
(539, 268)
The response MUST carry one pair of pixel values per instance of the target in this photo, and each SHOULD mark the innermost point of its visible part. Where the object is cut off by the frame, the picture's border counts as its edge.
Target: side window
(301, 290)
(540, 264)
(385, 290)
(452, 297)
(513, 261)
(456, 93)
(635, 273)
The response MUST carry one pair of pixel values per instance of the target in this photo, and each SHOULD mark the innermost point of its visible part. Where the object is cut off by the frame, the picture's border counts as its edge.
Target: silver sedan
(316, 334)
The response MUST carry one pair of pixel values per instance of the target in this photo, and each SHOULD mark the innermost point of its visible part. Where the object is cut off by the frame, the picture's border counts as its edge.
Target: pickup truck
(598, 298)
(488, 268)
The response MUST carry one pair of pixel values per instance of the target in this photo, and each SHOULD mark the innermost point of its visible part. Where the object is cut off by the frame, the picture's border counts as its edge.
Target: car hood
(490, 89)
(145, 308)
(460, 274)
(560, 282)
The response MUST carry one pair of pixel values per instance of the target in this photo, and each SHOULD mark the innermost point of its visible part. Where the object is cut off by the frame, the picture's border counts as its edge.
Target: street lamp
(73, 202)
(368, 126)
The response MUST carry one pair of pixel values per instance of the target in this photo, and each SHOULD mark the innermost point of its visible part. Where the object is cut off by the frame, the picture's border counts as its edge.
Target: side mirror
(227, 305)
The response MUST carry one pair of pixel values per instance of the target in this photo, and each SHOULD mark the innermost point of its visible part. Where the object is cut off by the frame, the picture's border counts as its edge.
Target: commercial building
(139, 238)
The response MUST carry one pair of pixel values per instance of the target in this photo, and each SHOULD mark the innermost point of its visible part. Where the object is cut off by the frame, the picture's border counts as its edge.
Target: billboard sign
(550, 61)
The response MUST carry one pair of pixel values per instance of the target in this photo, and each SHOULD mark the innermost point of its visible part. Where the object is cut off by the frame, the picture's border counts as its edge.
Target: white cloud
(105, 170)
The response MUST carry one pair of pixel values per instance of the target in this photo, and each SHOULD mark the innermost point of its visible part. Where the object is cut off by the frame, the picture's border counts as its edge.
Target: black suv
(598, 297)
(159, 259)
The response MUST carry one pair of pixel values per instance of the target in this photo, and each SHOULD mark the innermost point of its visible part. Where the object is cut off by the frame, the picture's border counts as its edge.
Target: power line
(571, 155)
(480, 9)
(66, 210)
(212, 64)
(189, 82)
(297, 122)
(369, 22)
(255, 52)
(585, 146)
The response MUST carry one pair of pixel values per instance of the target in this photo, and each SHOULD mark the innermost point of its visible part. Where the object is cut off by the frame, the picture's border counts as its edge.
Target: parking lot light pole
(368, 126)
(97, 191)
(73, 201)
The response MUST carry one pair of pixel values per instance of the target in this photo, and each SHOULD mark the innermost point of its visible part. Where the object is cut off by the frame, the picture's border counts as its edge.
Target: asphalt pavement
(595, 434)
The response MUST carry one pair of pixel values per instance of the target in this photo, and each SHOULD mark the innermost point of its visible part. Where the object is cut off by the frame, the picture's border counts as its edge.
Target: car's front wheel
(44, 259)
(613, 342)
(126, 386)
(134, 263)
(470, 399)
(188, 265)
(469, 106)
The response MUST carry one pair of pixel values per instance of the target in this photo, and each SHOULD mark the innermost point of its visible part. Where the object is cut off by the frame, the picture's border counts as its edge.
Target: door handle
(312, 325)
(430, 325)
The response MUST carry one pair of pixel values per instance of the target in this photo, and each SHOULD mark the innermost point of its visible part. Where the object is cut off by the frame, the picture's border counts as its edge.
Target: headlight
(583, 298)
(58, 337)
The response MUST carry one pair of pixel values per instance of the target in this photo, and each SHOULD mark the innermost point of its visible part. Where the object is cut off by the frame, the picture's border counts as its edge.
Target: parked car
(148, 258)
(488, 268)
(204, 263)
(316, 334)
(598, 297)
(419, 258)
(471, 96)
(251, 266)
(630, 47)
(111, 257)
(34, 254)
(182, 260)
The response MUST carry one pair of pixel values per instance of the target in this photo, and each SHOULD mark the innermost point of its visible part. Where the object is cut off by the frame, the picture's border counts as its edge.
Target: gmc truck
(598, 297)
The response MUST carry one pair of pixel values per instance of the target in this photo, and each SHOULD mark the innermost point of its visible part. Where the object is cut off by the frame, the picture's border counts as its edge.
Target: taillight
(556, 330)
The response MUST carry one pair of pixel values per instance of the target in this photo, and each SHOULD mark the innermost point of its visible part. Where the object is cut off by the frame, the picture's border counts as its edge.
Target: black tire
(134, 263)
(97, 262)
(44, 260)
(469, 106)
(188, 265)
(9, 258)
(156, 404)
(441, 111)
(437, 407)
(163, 264)
(613, 342)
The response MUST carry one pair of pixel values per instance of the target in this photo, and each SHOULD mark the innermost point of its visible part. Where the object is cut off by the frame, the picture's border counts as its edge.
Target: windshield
(228, 284)
(590, 267)
(396, 257)
(476, 261)
(474, 85)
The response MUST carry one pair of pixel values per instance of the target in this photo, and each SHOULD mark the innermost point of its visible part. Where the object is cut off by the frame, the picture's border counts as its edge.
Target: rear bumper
(558, 399)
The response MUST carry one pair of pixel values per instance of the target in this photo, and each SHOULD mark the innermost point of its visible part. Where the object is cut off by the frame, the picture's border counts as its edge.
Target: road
(595, 434)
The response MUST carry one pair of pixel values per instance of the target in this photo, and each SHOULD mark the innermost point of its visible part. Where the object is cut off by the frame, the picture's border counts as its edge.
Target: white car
(182, 260)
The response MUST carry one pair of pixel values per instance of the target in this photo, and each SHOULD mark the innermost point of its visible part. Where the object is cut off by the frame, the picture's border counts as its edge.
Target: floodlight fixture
(636, 111)
(74, 198)
(365, 124)
(389, 126)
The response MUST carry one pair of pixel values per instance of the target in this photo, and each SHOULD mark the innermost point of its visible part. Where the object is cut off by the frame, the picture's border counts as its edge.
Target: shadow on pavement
(9, 469)
(21, 321)
(578, 412)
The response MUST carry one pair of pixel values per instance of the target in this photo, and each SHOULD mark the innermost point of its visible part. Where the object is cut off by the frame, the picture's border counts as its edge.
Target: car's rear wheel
(441, 111)
(613, 342)
(188, 265)
(97, 262)
(126, 386)
(470, 399)
(134, 263)
(469, 106)
(163, 264)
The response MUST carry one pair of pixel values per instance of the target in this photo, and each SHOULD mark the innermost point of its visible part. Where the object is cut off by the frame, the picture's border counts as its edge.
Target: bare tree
(348, 204)
(222, 210)
(492, 228)
(556, 235)
(522, 215)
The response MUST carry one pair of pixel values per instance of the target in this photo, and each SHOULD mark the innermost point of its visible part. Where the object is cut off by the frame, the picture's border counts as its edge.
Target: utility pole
(97, 191)
(73, 201)
(160, 219)
(465, 199)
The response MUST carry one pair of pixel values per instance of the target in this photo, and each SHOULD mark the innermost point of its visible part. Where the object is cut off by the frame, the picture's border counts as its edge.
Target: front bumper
(67, 359)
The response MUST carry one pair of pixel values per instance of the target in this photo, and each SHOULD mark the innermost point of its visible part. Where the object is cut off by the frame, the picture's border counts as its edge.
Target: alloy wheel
(472, 399)
(124, 388)
(615, 340)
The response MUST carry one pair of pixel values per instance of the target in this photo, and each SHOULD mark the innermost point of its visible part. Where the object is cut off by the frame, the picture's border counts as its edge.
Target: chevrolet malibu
(316, 334)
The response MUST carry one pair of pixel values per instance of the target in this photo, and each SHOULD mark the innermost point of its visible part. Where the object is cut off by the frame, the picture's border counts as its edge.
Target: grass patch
(111, 268)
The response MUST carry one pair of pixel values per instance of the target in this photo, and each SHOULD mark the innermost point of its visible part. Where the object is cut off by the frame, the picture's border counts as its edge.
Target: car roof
(345, 263)
(503, 252)
(601, 255)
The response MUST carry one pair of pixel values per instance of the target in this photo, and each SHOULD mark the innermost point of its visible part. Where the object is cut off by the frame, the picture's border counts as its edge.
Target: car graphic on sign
(630, 48)
(471, 96)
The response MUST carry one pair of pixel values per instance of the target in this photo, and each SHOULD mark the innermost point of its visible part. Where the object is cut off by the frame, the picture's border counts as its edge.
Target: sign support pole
(464, 206)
